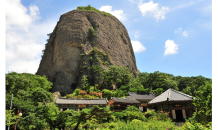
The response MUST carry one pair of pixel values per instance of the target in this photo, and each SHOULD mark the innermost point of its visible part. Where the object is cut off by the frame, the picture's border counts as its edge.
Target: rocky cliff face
(69, 52)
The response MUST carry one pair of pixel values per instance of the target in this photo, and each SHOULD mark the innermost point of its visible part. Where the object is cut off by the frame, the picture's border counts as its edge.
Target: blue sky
(170, 36)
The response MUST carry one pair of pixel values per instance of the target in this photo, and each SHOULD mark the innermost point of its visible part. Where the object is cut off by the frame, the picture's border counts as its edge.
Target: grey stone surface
(62, 60)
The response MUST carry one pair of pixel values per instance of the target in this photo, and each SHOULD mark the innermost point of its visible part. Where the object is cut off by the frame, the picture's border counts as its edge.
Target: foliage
(85, 83)
(30, 95)
(141, 90)
(195, 84)
(117, 75)
(76, 92)
(10, 117)
(120, 93)
(196, 126)
(92, 31)
(107, 93)
(162, 116)
(157, 80)
(132, 109)
(25, 81)
(130, 115)
(136, 84)
(203, 105)
(158, 91)
(82, 92)
(90, 8)
(86, 114)
(150, 113)
(139, 125)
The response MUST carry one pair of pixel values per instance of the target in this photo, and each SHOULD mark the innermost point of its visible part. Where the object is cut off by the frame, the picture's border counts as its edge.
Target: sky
(170, 36)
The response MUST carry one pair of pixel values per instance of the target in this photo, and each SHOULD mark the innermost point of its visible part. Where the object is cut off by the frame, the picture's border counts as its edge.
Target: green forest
(31, 94)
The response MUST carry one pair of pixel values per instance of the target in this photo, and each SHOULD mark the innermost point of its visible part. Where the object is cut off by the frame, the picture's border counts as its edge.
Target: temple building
(120, 104)
(178, 104)
(143, 98)
(79, 104)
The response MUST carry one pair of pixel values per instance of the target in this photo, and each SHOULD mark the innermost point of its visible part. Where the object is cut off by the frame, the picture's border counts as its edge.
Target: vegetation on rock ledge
(90, 8)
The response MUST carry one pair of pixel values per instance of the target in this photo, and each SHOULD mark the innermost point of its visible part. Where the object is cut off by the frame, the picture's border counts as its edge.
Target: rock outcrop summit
(69, 52)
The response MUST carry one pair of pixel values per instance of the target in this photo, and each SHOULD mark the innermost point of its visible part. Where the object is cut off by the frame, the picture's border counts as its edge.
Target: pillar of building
(184, 113)
(174, 115)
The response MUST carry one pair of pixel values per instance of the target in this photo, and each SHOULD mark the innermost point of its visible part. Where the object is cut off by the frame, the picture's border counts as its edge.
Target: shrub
(92, 31)
(162, 116)
(69, 96)
(107, 93)
(95, 93)
(132, 108)
(78, 96)
(112, 125)
(82, 92)
(90, 8)
(195, 126)
(88, 96)
(130, 115)
(150, 113)
(76, 92)
(118, 115)
(135, 121)
(91, 124)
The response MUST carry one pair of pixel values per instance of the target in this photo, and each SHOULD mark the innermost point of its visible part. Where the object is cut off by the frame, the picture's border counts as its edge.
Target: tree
(117, 75)
(136, 84)
(158, 91)
(203, 104)
(10, 117)
(157, 80)
(50, 112)
(85, 84)
(86, 114)
(31, 93)
(194, 85)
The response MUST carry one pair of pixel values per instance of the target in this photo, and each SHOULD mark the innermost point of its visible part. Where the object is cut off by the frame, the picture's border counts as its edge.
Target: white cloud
(170, 47)
(137, 46)
(24, 66)
(153, 9)
(178, 30)
(117, 13)
(24, 38)
(185, 33)
(136, 33)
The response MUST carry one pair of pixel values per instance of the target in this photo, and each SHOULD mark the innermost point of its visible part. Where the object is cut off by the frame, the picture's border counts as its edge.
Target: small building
(143, 98)
(120, 104)
(178, 104)
(79, 104)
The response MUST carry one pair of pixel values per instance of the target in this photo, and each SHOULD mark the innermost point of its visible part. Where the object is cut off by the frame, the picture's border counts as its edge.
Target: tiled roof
(102, 101)
(171, 95)
(125, 100)
(138, 96)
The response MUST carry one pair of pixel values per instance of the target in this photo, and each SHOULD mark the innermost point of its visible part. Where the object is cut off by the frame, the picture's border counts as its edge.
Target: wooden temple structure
(79, 104)
(120, 104)
(143, 98)
(178, 104)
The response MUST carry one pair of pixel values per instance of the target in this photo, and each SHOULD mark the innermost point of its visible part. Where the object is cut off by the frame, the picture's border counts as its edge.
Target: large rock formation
(67, 55)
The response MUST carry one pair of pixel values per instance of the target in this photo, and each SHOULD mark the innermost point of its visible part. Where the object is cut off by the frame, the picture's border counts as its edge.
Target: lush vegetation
(31, 95)
(90, 8)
